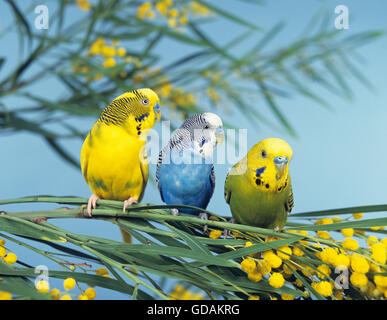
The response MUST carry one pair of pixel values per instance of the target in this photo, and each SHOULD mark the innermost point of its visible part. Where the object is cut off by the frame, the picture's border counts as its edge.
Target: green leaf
(64, 154)
(364, 223)
(339, 211)
(155, 251)
(229, 16)
(2, 60)
(18, 284)
(14, 77)
(20, 17)
(28, 229)
(256, 50)
(268, 96)
(264, 246)
(195, 245)
(305, 282)
(210, 43)
(181, 37)
(90, 279)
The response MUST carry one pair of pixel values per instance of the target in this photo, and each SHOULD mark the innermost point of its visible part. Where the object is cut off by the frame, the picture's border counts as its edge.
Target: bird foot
(226, 232)
(204, 216)
(175, 212)
(129, 202)
(92, 204)
(39, 219)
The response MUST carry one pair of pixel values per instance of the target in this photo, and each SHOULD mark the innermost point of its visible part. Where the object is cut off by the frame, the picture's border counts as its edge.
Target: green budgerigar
(258, 188)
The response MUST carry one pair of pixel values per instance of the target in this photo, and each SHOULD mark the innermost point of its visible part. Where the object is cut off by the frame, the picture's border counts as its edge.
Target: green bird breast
(251, 206)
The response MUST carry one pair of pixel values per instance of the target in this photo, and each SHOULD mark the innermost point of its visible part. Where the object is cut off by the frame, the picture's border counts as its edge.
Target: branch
(108, 209)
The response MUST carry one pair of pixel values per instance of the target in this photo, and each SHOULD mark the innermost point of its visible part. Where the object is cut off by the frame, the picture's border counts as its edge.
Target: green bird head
(268, 164)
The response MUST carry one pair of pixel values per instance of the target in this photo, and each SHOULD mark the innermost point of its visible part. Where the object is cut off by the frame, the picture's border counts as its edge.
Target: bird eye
(206, 126)
(263, 154)
(145, 102)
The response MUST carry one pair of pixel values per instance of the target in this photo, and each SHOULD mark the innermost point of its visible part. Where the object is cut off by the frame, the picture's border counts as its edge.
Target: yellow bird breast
(111, 165)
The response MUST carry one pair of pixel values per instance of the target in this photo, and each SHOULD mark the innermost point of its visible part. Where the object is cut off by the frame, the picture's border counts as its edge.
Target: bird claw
(226, 232)
(92, 204)
(175, 212)
(204, 216)
(129, 202)
(39, 219)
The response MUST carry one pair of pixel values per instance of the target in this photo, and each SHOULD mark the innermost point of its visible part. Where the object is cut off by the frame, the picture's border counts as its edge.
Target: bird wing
(237, 169)
(212, 178)
(85, 153)
(227, 189)
(144, 167)
(159, 160)
(290, 201)
(178, 141)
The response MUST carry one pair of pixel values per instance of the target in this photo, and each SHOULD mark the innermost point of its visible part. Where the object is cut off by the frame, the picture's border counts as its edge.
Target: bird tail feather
(126, 237)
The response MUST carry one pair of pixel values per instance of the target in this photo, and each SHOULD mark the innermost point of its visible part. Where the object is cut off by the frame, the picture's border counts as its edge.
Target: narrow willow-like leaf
(210, 43)
(90, 279)
(156, 250)
(20, 17)
(259, 247)
(18, 285)
(229, 16)
(305, 282)
(338, 211)
(195, 245)
(364, 223)
(25, 228)
(270, 101)
(62, 152)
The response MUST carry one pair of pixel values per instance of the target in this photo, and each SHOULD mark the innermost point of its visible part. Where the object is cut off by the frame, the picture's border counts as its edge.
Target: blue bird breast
(186, 184)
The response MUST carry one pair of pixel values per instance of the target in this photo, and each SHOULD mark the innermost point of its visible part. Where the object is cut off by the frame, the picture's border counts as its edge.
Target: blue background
(339, 154)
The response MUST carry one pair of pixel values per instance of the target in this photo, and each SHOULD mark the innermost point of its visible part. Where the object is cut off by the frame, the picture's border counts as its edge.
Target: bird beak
(219, 133)
(280, 164)
(157, 111)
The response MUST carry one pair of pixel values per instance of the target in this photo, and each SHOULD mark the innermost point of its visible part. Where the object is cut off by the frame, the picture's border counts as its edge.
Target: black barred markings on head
(120, 108)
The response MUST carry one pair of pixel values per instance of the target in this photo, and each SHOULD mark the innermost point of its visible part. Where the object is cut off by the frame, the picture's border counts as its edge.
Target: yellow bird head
(268, 164)
(138, 110)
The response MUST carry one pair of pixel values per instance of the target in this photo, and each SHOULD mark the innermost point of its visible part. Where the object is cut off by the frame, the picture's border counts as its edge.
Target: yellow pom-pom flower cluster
(285, 266)
(175, 15)
(276, 280)
(378, 252)
(180, 293)
(248, 265)
(273, 260)
(43, 286)
(348, 232)
(295, 269)
(4, 295)
(350, 244)
(5, 255)
(284, 252)
(361, 263)
(215, 234)
(323, 288)
(324, 271)
(68, 285)
(108, 55)
(84, 5)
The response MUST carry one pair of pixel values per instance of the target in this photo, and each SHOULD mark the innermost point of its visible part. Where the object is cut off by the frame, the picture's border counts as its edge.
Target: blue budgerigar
(185, 170)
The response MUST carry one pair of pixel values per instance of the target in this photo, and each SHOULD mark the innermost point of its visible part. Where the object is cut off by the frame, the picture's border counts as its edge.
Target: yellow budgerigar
(113, 157)
(258, 188)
